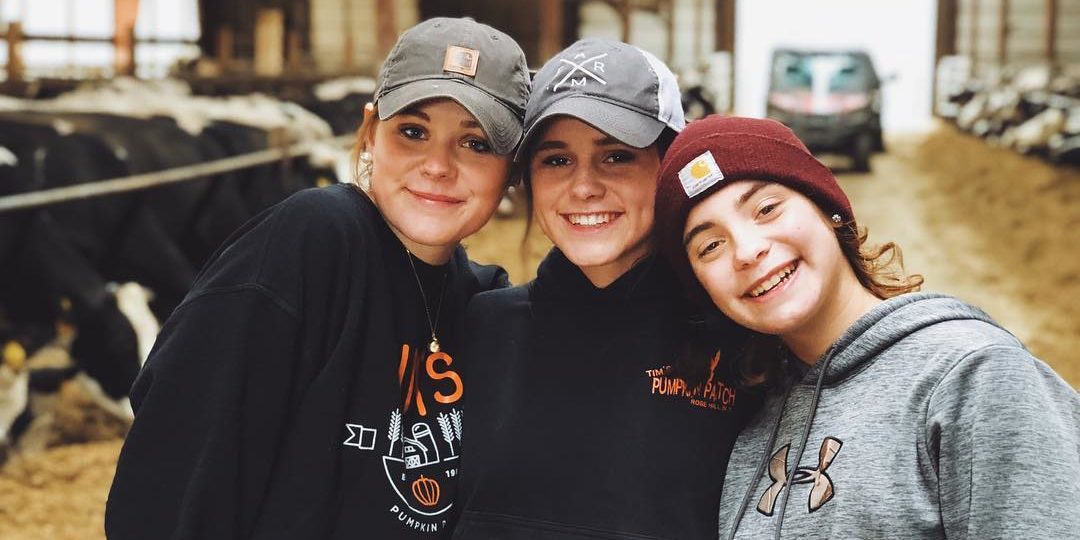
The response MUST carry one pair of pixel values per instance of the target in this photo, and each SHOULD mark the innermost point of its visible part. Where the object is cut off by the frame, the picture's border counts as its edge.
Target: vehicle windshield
(834, 72)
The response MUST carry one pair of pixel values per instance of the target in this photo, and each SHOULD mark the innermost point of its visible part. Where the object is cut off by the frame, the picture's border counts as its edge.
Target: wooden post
(294, 51)
(386, 28)
(1051, 31)
(946, 29)
(225, 47)
(725, 39)
(624, 19)
(551, 28)
(1003, 33)
(269, 42)
(16, 70)
(125, 13)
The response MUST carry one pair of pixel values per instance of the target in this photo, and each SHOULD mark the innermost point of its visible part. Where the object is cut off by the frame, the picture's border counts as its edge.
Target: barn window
(74, 38)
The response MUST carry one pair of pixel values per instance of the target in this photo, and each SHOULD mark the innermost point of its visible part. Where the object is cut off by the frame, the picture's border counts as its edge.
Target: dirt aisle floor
(994, 228)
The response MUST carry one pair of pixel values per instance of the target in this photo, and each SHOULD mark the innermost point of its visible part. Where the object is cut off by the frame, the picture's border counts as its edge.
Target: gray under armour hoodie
(924, 420)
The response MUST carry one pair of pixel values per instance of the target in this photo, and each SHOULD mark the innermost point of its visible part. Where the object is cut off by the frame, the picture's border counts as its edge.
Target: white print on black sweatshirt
(419, 445)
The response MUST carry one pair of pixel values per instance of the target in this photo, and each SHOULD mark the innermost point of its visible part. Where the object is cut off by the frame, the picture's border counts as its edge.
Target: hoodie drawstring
(802, 444)
(752, 488)
(761, 467)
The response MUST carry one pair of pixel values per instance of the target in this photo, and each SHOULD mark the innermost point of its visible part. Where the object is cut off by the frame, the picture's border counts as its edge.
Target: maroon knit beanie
(743, 149)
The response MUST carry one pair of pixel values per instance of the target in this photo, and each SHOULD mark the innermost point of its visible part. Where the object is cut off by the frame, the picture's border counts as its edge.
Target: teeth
(589, 220)
(773, 281)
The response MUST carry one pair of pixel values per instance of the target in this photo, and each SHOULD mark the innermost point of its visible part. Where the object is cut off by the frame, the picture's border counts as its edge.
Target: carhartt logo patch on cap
(700, 174)
(461, 60)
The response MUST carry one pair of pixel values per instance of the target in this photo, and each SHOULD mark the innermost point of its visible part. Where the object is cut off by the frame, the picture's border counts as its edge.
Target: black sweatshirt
(577, 425)
(292, 395)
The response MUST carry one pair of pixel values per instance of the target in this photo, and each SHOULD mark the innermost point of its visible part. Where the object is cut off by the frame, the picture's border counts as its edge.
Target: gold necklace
(433, 346)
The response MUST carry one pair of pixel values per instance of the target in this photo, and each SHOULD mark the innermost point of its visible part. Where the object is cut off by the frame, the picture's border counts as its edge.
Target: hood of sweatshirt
(857, 349)
(877, 330)
(559, 279)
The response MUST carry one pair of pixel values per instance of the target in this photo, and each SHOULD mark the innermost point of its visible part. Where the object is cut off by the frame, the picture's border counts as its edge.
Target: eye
(711, 246)
(768, 209)
(555, 160)
(410, 131)
(477, 145)
(619, 156)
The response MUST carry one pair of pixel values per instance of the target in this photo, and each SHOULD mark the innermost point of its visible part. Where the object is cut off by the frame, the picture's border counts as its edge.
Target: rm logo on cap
(461, 60)
(700, 174)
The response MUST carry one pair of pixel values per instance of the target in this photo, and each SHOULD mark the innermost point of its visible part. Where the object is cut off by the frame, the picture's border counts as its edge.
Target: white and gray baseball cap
(474, 64)
(615, 87)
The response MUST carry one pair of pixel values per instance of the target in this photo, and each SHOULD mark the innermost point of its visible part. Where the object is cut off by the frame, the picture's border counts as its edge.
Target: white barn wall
(898, 35)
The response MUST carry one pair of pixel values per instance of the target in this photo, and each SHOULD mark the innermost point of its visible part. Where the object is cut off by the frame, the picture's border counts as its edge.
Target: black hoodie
(291, 395)
(576, 425)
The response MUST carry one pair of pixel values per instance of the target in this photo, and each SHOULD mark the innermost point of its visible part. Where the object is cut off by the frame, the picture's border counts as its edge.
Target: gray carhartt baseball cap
(474, 64)
(617, 88)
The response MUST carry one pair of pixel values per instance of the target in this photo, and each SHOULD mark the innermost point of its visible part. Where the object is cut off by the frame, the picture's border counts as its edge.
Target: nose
(584, 185)
(750, 247)
(438, 162)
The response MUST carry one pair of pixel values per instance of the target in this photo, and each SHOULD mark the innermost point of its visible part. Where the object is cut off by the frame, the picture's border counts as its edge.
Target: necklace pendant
(434, 345)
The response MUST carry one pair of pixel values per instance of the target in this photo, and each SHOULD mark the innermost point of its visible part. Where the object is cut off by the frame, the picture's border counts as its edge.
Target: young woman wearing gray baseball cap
(307, 386)
(586, 419)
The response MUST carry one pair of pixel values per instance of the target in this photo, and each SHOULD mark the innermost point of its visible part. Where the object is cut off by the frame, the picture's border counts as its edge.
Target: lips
(434, 197)
(772, 280)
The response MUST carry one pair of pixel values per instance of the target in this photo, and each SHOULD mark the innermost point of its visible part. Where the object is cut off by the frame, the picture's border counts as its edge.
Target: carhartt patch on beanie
(717, 150)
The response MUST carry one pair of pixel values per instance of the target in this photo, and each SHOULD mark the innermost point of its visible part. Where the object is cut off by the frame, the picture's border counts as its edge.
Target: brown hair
(880, 270)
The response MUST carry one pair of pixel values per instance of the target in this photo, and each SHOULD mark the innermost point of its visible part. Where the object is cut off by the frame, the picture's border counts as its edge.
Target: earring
(837, 219)
(364, 165)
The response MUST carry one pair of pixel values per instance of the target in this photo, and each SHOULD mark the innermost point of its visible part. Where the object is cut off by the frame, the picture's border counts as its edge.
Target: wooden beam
(725, 26)
(551, 28)
(946, 29)
(1051, 31)
(16, 69)
(225, 46)
(269, 42)
(725, 41)
(125, 14)
(624, 19)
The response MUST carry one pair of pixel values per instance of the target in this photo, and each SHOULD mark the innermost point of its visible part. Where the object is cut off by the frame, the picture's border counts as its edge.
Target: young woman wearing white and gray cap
(581, 420)
(307, 386)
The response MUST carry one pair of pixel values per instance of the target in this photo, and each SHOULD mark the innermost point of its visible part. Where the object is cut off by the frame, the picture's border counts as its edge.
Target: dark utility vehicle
(831, 99)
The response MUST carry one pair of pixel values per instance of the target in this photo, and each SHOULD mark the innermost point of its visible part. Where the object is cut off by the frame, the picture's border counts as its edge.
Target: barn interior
(136, 135)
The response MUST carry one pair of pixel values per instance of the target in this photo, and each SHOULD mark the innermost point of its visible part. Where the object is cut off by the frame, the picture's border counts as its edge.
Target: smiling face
(769, 258)
(434, 176)
(593, 197)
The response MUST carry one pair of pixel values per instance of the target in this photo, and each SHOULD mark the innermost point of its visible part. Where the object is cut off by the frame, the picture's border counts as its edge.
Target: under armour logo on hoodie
(821, 493)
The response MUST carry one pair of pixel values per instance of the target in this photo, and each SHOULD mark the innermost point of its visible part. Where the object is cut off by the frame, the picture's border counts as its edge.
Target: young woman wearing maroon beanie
(889, 413)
